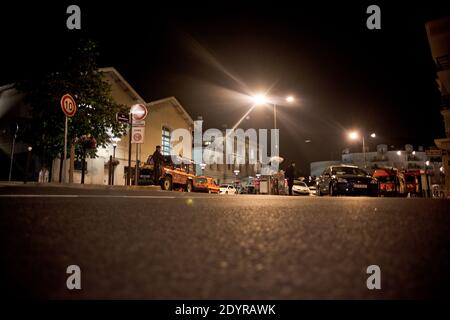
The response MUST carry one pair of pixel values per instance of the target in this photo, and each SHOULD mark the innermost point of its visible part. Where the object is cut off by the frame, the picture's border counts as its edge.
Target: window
(348, 170)
(165, 142)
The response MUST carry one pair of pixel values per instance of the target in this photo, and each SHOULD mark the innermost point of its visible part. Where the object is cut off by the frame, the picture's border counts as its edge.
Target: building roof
(135, 96)
(175, 103)
(123, 83)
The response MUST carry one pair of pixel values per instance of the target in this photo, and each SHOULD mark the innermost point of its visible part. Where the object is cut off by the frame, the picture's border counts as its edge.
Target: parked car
(300, 188)
(227, 189)
(312, 190)
(389, 181)
(205, 184)
(250, 189)
(412, 182)
(240, 189)
(346, 180)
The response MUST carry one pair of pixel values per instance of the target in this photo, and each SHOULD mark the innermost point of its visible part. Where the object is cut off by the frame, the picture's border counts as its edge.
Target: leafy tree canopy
(77, 75)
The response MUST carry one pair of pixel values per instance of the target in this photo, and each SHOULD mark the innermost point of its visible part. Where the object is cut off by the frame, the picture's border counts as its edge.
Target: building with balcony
(407, 159)
(438, 32)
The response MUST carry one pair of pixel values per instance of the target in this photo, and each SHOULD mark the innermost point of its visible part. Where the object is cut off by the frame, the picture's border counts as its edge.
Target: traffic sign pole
(136, 173)
(69, 107)
(65, 150)
(138, 112)
(129, 151)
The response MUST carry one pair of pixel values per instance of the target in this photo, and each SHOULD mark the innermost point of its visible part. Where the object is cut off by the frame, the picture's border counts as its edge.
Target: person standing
(158, 160)
(290, 175)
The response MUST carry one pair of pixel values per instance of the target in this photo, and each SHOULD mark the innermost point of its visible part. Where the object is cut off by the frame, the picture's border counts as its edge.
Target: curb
(78, 186)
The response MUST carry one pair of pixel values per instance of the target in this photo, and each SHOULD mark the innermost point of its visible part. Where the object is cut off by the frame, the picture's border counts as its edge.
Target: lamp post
(202, 166)
(236, 173)
(354, 135)
(30, 148)
(12, 152)
(115, 140)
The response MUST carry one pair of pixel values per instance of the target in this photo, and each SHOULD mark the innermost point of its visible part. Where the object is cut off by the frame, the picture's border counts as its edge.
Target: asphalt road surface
(172, 245)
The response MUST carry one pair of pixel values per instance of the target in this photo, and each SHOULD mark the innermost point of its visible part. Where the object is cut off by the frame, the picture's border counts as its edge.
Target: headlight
(341, 180)
(374, 181)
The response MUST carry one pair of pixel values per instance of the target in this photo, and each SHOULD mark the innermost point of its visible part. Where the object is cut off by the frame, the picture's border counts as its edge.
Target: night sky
(209, 56)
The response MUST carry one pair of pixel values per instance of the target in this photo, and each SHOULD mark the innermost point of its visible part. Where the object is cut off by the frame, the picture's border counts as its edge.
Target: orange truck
(171, 176)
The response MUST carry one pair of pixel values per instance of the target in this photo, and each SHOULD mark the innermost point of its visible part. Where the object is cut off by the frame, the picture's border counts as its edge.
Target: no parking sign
(137, 135)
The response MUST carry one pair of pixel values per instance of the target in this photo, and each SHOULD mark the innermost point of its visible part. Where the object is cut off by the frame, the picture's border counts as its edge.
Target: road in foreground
(172, 245)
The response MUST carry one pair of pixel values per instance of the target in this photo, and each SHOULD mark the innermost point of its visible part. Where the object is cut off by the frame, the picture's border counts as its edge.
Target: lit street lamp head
(353, 135)
(290, 99)
(373, 135)
(259, 99)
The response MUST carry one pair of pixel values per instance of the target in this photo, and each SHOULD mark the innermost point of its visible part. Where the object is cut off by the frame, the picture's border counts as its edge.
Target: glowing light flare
(353, 135)
(259, 99)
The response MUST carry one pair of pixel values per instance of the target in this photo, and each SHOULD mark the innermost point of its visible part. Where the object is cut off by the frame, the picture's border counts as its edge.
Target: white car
(300, 188)
(313, 190)
(227, 189)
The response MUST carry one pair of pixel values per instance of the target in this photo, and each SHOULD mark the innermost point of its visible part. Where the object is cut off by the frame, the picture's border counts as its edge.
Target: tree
(77, 75)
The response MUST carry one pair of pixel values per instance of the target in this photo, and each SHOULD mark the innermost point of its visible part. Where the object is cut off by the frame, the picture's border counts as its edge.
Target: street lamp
(290, 99)
(30, 148)
(203, 166)
(114, 144)
(354, 135)
(260, 99)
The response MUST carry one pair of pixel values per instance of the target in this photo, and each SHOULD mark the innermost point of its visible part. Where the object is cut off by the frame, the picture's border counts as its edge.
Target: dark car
(346, 180)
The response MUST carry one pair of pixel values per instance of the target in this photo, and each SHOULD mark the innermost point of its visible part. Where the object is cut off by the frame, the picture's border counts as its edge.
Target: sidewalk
(75, 185)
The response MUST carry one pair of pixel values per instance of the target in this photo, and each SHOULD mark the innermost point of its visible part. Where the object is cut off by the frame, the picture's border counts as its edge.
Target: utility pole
(364, 152)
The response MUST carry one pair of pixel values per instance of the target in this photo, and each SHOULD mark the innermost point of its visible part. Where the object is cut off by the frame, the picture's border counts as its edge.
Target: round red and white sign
(139, 111)
(68, 105)
(137, 137)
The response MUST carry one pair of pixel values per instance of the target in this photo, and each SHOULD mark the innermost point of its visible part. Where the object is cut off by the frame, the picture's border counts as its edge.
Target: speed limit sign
(68, 105)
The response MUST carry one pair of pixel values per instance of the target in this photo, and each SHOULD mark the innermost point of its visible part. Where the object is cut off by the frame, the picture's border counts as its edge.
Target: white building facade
(164, 116)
